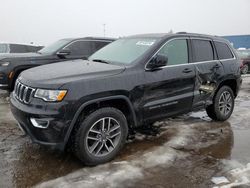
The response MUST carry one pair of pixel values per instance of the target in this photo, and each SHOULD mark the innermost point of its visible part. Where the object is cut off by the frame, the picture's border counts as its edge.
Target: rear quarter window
(223, 50)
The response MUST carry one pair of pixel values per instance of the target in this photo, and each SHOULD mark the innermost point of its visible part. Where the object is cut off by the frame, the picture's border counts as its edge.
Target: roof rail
(182, 32)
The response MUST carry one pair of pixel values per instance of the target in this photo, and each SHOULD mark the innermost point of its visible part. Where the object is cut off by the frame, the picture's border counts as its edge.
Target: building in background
(239, 41)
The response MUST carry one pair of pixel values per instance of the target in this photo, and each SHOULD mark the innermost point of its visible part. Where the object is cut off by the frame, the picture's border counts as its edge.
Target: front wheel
(223, 104)
(101, 136)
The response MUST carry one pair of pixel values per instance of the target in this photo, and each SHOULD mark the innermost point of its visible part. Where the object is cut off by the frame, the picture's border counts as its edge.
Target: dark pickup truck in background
(244, 55)
(11, 65)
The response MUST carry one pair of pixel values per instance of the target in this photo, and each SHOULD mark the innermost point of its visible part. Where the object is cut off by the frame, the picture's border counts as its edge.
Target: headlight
(50, 95)
(4, 64)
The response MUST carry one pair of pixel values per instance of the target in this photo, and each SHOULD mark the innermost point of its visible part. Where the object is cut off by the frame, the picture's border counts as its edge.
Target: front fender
(81, 108)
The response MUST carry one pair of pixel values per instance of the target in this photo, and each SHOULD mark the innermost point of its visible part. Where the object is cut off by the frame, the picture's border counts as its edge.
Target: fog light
(39, 123)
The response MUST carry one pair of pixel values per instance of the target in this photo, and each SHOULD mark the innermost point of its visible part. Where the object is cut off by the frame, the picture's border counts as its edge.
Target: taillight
(241, 63)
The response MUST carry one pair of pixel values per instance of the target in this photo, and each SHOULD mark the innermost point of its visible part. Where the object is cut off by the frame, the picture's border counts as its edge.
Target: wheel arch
(231, 82)
(16, 72)
(112, 101)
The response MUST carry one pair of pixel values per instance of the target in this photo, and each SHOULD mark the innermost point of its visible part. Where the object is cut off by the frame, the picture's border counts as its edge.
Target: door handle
(217, 66)
(187, 70)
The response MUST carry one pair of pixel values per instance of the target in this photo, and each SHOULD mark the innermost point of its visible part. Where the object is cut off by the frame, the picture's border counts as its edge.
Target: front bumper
(3, 81)
(53, 135)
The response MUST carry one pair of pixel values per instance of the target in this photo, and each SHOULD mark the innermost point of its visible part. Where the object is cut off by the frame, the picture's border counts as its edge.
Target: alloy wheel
(225, 103)
(103, 136)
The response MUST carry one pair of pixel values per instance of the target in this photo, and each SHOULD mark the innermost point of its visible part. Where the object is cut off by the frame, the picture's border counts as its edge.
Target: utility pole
(104, 30)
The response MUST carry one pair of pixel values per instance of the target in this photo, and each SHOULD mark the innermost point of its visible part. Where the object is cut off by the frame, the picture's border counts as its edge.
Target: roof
(90, 38)
(27, 44)
(166, 35)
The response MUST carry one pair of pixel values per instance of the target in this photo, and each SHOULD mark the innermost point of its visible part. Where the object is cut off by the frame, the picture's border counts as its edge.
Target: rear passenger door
(169, 91)
(208, 69)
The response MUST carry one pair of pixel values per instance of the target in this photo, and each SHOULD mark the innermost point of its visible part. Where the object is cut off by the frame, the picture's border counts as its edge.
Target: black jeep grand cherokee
(90, 105)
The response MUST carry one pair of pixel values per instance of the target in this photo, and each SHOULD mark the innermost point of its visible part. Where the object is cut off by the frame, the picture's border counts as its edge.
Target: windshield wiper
(100, 60)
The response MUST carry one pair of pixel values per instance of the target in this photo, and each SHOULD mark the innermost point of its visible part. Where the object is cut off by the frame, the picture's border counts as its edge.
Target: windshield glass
(4, 48)
(54, 47)
(244, 54)
(124, 51)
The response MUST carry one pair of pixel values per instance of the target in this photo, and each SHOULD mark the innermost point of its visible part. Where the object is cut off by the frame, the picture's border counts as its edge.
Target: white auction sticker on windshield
(145, 43)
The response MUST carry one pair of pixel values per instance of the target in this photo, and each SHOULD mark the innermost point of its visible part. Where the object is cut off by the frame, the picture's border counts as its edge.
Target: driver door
(170, 90)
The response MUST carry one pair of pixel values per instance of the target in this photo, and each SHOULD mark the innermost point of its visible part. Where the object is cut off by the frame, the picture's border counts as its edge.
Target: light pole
(104, 30)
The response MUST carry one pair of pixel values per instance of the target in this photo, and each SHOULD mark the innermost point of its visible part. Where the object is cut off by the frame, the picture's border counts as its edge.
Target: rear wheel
(223, 104)
(101, 136)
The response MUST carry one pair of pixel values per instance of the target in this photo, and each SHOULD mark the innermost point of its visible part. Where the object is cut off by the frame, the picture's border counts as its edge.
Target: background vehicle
(90, 105)
(244, 55)
(18, 48)
(66, 49)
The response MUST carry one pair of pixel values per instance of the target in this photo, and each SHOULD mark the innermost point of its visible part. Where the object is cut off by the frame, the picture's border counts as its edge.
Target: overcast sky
(45, 21)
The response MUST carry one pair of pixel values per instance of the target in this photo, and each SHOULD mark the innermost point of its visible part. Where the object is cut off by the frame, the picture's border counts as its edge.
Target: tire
(245, 69)
(223, 104)
(96, 145)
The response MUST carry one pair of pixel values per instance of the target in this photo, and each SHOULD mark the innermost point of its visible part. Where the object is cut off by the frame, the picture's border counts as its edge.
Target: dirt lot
(188, 151)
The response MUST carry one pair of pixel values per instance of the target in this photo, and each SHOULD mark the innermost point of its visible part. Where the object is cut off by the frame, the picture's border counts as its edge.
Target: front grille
(22, 92)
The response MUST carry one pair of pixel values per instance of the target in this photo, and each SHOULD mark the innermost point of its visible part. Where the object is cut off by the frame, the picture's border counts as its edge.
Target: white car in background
(18, 48)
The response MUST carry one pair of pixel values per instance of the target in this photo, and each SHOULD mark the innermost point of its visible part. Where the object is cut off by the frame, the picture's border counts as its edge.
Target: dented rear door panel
(208, 76)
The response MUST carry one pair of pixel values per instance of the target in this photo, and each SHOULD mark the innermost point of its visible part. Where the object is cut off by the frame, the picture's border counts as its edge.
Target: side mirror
(157, 62)
(63, 52)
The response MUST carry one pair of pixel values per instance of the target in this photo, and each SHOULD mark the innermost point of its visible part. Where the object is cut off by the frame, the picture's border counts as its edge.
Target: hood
(56, 74)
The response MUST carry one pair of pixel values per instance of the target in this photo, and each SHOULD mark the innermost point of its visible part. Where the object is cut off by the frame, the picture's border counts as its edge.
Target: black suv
(91, 105)
(11, 65)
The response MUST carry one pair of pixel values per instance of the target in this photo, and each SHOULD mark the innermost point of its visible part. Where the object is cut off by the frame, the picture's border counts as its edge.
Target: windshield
(54, 47)
(4, 48)
(243, 54)
(124, 51)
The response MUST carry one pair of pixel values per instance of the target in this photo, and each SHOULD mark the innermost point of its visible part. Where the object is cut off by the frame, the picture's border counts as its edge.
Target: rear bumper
(239, 83)
(53, 135)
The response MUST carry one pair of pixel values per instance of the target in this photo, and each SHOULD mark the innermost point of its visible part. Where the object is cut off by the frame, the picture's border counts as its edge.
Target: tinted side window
(176, 51)
(81, 48)
(223, 50)
(100, 44)
(17, 48)
(203, 50)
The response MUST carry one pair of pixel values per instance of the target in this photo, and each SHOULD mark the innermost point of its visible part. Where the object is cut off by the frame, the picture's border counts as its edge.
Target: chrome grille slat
(25, 93)
(18, 91)
(22, 92)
